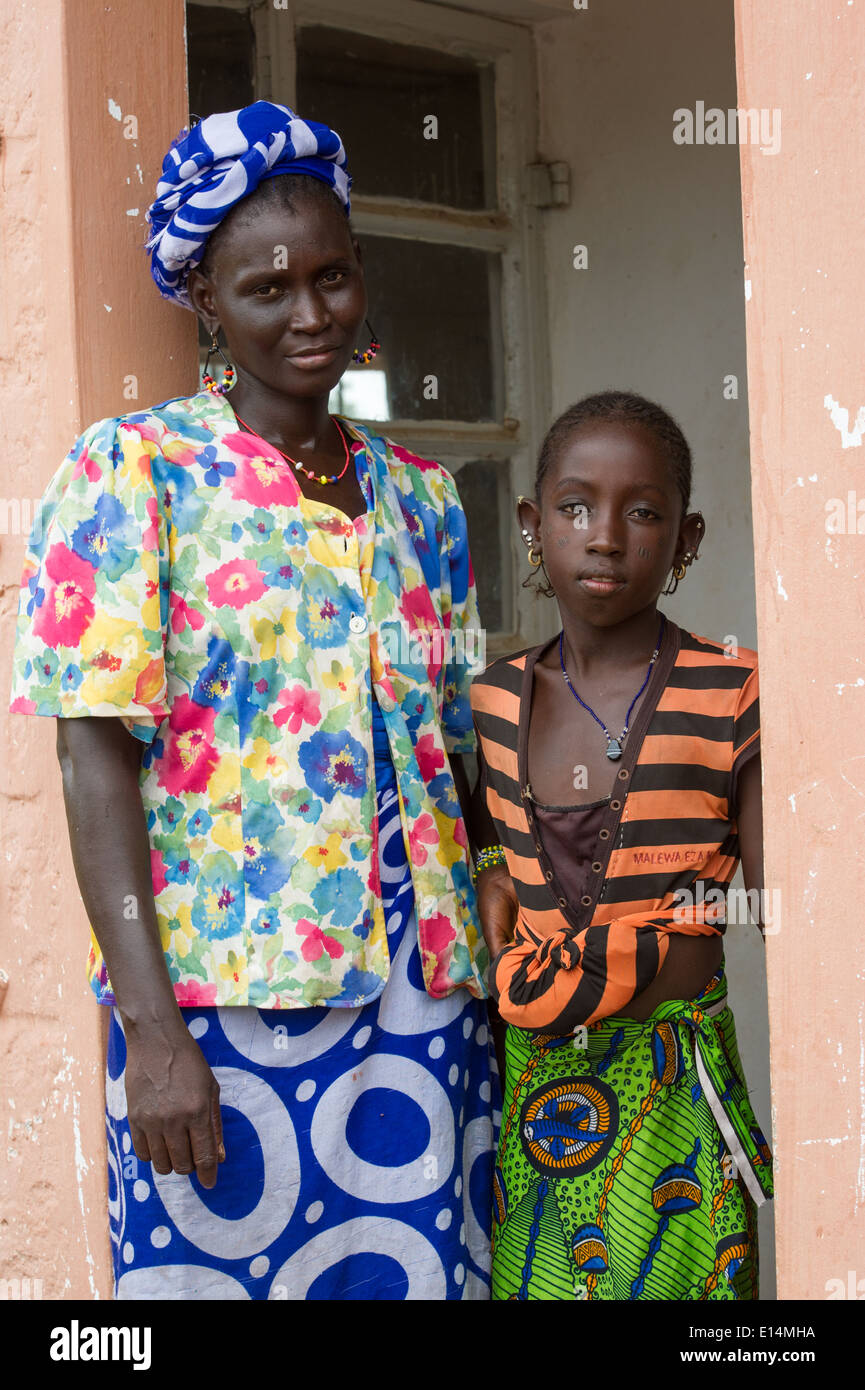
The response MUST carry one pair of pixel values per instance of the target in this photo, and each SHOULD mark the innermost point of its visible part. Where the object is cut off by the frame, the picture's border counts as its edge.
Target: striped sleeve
(746, 730)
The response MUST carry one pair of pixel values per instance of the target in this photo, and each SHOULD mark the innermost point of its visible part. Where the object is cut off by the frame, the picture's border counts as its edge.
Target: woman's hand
(173, 1102)
(172, 1095)
(498, 907)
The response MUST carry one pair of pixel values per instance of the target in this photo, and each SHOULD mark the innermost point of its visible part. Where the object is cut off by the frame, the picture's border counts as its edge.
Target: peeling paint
(81, 1168)
(114, 110)
(840, 417)
(781, 590)
(803, 1143)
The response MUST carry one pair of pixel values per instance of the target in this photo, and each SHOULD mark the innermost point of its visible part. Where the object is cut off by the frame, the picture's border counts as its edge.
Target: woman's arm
(172, 1095)
(750, 821)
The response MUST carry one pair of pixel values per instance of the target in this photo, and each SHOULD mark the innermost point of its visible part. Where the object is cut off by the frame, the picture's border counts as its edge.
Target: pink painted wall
(74, 71)
(805, 253)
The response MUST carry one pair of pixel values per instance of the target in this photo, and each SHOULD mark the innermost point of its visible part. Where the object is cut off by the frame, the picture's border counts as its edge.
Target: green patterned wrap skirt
(630, 1163)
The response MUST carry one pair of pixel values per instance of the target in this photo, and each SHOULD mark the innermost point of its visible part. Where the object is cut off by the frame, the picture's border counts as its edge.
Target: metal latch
(548, 185)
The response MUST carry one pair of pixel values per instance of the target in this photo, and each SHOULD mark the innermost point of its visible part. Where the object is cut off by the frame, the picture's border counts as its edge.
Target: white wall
(661, 310)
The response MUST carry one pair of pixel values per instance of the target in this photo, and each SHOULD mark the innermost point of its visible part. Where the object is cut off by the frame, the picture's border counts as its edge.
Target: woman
(258, 593)
(630, 1163)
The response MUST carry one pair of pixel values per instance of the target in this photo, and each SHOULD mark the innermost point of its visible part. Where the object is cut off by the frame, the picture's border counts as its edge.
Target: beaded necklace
(614, 745)
(316, 477)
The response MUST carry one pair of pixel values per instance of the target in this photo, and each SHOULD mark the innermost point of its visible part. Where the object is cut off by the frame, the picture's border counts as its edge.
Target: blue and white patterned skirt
(360, 1145)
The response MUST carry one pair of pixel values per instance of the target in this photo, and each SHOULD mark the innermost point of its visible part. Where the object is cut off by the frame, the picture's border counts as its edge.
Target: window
(436, 108)
(220, 47)
(398, 86)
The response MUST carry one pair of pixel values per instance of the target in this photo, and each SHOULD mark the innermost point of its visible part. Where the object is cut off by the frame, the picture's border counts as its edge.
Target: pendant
(614, 749)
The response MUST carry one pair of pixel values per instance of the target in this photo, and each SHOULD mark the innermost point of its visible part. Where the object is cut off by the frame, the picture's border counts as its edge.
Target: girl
(630, 1162)
(220, 608)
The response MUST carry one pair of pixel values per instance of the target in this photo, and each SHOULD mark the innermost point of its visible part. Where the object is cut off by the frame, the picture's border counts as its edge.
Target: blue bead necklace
(614, 745)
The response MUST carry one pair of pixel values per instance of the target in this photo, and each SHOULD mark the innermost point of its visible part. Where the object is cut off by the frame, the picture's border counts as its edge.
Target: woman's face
(610, 523)
(287, 289)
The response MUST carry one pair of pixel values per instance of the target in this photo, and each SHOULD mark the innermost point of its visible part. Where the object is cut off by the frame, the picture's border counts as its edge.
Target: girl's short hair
(621, 408)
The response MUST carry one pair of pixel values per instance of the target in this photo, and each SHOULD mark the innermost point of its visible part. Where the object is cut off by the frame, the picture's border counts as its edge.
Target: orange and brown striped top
(667, 845)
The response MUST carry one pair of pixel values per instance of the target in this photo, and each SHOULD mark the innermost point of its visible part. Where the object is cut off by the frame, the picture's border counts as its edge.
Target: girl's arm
(750, 821)
(496, 897)
(172, 1095)
(498, 906)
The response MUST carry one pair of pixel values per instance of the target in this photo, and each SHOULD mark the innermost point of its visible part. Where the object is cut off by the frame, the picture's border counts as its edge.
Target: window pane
(485, 494)
(435, 310)
(220, 45)
(380, 96)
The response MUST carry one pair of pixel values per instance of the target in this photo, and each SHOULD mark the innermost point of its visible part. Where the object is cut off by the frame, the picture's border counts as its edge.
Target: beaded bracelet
(488, 859)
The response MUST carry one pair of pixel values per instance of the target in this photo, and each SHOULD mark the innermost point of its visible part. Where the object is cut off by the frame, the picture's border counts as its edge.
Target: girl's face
(288, 291)
(610, 522)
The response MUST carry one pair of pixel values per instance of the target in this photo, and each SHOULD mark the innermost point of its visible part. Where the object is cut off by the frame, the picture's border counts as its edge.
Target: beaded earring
(228, 377)
(364, 358)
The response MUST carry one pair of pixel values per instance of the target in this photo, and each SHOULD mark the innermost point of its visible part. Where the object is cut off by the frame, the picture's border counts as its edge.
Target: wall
(81, 318)
(661, 310)
(805, 248)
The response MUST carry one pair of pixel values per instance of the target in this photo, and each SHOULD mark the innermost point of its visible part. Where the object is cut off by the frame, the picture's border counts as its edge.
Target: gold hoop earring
(678, 572)
(534, 559)
(540, 588)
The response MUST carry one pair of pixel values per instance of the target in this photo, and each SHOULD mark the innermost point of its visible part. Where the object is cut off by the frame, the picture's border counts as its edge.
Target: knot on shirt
(562, 951)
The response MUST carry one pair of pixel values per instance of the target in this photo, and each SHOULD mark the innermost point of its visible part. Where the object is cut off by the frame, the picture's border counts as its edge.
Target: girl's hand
(173, 1102)
(498, 908)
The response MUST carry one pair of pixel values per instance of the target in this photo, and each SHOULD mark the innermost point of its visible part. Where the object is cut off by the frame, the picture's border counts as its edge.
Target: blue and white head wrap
(220, 161)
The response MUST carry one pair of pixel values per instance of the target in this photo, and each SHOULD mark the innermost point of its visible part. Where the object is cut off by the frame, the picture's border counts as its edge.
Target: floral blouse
(177, 577)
